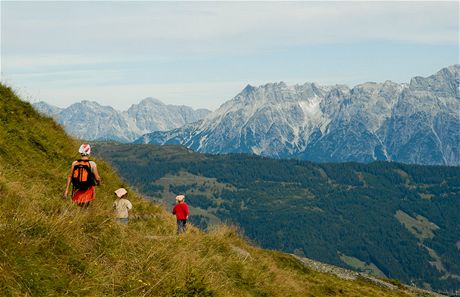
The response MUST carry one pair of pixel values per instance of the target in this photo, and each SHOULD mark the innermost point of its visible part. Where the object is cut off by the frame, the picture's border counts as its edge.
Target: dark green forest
(400, 220)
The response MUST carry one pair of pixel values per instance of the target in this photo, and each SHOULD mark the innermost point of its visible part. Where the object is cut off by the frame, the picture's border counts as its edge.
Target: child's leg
(123, 221)
(179, 227)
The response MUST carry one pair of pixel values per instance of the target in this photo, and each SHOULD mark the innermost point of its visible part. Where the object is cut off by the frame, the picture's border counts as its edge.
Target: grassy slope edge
(50, 247)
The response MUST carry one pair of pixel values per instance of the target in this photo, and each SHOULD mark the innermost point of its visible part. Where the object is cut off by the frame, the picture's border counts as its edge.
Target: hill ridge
(93, 121)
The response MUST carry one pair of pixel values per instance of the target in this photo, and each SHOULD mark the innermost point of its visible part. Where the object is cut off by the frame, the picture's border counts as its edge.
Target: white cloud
(158, 28)
(20, 62)
(51, 34)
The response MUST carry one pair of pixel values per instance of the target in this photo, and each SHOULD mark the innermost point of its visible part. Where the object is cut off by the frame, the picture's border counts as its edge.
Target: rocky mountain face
(89, 120)
(417, 122)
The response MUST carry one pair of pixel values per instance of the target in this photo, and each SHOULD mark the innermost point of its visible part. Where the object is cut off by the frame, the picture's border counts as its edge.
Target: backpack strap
(87, 161)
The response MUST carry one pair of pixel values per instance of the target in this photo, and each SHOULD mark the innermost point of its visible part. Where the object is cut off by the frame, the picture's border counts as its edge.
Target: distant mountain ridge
(416, 123)
(92, 121)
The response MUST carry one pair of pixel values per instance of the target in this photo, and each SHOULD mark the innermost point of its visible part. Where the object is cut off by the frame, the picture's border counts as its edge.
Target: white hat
(84, 149)
(180, 198)
(121, 192)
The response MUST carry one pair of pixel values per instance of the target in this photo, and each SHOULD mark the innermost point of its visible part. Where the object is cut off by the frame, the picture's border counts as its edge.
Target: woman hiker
(84, 176)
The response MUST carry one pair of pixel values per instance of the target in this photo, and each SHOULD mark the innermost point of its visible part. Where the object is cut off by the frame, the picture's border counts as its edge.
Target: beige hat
(180, 198)
(121, 192)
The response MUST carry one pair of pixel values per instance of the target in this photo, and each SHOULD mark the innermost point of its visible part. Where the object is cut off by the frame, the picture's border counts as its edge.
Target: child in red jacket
(181, 212)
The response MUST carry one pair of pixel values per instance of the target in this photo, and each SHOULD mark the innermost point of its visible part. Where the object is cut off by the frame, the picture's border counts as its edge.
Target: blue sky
(203, 53)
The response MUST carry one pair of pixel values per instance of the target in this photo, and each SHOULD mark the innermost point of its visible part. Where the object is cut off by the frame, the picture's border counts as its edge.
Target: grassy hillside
(50, 247)
(388, 219)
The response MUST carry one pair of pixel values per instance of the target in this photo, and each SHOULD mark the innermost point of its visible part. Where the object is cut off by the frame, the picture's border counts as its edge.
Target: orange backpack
(82, 177)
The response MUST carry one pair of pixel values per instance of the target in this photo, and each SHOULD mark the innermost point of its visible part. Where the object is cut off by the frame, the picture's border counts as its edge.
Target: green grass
(211, 187)
(420, 226)
(50, 247)
(359, 265)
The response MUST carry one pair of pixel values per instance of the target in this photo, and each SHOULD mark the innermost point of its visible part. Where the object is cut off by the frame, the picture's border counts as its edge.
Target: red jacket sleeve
(186, 210)
(174, 210)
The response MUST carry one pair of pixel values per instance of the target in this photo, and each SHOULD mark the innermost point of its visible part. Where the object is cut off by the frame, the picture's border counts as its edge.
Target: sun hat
(84, 149)
(180, 198)
(121, 192)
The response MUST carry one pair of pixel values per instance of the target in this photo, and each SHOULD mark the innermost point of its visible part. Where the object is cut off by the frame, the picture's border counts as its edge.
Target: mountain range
(92, 121)
(417, 123)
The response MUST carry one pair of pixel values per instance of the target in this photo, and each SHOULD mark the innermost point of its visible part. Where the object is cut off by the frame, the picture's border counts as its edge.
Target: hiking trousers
(181, 226)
